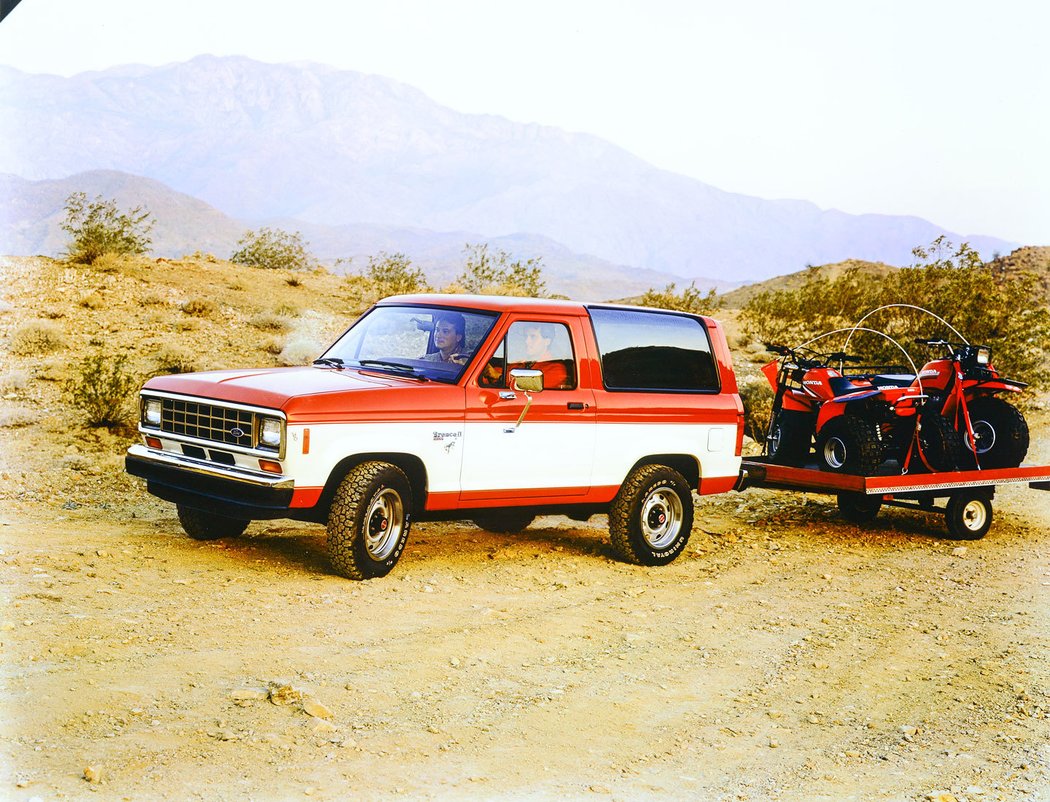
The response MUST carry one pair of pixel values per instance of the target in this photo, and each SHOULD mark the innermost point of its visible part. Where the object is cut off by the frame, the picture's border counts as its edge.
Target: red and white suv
(454, 406)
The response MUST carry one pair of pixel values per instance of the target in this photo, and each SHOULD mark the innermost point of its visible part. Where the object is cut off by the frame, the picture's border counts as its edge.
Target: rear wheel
(967, 516)
(789, 437)
(369, 520)
(1000, 433)
(849, 444)
(209, 526)
(503, 521)
(651, 518)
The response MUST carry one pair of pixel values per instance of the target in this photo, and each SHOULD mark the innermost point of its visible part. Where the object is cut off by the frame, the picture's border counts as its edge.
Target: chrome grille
(233, 427)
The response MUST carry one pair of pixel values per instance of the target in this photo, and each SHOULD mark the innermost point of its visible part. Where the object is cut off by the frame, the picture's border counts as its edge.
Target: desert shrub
(175, 359)
(300, 350)
(269, 321)
(12, 381)
(99, 227)
(293, 280)
(494, 273)
(199, 307)
(36, 337)
(393, 274)
(273, 346)
(153, 299)
(103, 389)
(757, 397)
(690, 300)
(986, 304)
(273, 249)
(93, 301)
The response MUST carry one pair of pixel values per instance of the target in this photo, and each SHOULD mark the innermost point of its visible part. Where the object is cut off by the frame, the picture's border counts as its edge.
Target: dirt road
(787, 655)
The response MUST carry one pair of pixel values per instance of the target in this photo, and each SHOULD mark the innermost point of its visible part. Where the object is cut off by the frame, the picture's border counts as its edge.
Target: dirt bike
(964, 387)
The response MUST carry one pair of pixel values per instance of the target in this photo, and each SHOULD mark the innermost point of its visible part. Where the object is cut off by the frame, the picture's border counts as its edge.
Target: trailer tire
(849, 444)
(859, 508)
(209, 526)
(789, 437)
(651, 518)
(968, 516)
(1001, 433)
(369, 520)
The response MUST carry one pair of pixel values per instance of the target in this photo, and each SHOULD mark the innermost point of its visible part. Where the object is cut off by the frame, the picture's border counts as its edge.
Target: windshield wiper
(330, 361)
(397, 367)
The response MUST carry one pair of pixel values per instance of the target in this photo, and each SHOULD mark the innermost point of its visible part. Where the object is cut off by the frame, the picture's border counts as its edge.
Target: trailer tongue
(967, 494)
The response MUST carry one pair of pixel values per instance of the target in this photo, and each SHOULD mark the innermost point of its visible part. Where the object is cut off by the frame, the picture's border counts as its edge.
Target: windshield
(424, 342)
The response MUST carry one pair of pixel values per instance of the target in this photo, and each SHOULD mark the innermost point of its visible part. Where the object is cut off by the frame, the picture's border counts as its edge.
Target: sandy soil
(787, 655)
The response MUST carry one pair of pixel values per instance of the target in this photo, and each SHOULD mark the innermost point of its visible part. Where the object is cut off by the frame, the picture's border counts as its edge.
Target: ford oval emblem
(236, 431)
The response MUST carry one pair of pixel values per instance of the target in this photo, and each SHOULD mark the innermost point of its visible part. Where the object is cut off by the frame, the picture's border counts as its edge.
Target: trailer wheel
(849, 444)
(207, 526)
(369, 520)
(651, 518)
(968, 516)
(859, 508)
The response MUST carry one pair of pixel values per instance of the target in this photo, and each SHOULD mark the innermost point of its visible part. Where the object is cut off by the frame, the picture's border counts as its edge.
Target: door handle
(576, 405)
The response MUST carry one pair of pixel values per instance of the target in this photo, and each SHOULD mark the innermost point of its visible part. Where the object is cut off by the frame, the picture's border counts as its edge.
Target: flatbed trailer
(967, 495)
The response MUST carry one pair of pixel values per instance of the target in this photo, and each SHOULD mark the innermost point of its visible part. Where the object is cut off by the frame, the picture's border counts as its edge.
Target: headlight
(151, 411)
(270, 433)
(984, 355)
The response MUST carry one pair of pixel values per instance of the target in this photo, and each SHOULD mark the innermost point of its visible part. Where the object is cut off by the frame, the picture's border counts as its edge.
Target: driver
(449, 335)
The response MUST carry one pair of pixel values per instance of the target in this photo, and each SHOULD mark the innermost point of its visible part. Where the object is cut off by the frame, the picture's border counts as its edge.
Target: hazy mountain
(336, 147)
(32, 212)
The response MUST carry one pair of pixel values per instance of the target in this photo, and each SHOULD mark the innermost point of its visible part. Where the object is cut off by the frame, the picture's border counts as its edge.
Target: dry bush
(200, 307)
(270, 321)
(93, 301)
(175, 359)
(300, 350)
(103, 389)
(18, 418)
(153, 299)
(12, 381)
(273, 346)
(109, 263)
(293, 280)
(757, 397)
(36, 337)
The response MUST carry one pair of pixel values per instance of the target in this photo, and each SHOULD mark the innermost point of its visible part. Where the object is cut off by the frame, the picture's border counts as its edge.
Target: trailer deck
(968, 510)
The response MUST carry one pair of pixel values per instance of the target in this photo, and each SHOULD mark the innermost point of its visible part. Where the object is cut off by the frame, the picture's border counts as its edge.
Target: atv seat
(894, 379)
(840, 385)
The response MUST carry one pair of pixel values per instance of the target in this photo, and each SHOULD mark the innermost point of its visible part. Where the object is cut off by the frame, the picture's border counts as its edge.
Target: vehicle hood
(303, 389)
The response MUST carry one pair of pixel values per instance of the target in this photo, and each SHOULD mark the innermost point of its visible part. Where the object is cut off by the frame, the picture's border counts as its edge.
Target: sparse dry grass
(36, 337)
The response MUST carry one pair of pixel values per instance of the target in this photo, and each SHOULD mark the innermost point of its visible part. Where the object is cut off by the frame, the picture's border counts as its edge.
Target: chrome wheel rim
(774, 440)
(384, 523)
(661, 518)
(835, 452)
(983, 436)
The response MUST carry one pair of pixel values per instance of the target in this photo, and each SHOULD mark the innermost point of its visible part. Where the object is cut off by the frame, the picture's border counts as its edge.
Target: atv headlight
(151, 411)
(270, 433)
(984, 355)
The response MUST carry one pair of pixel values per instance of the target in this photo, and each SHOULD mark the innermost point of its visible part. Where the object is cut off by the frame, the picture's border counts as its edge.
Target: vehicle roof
(504, 303)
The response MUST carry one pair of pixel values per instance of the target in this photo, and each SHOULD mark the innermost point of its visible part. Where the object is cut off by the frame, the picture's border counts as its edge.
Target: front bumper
(232, 492)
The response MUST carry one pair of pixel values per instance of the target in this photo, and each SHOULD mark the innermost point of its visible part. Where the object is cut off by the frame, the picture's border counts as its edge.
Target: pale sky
(937, 108)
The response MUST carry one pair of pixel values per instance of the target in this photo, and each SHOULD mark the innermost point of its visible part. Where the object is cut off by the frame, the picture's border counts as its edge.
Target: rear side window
(654, 351)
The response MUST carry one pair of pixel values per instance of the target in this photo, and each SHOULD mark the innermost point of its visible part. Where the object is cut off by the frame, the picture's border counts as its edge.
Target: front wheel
(1000, 433)
(369, 520)
(941, 445)
(849, 444)
(208, 526)
(651, 518)
(968, 517)
(789, 436)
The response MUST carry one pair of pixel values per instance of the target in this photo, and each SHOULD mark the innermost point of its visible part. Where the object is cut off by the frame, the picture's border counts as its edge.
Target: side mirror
(527, 381)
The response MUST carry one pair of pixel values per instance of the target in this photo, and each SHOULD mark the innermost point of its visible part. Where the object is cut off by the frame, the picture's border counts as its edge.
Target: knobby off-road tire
(651, 518)
(849, 444)
(968, 516)
(207, 525)
(859, 508)
(789, 437)
(1001, 433)
(941, 444)
(503, 521)
(369, 520)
